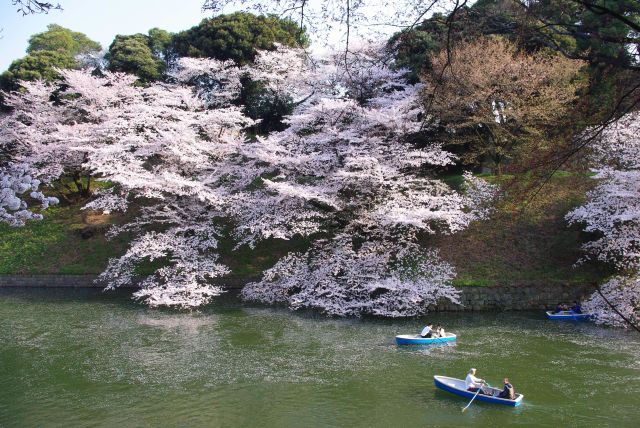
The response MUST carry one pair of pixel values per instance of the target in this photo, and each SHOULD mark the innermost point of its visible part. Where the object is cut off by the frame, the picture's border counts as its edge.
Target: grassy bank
(71, 241)
(526, 240)
(67, 241)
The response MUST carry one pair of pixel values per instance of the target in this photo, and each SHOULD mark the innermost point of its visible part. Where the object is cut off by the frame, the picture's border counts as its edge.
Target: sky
(101, 20)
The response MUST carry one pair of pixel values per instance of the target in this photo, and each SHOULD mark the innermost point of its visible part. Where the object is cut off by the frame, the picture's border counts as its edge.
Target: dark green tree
(58, 47)
(604, 31)
(265, 104)
(133, 54)
(161, 44)
(238, 36)
(39, 65)
(58, 38)
(414, 47)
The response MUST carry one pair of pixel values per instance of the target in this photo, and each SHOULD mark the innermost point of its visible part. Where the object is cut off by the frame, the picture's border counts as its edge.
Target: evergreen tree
(56, 48)
(134, 54)
(238, 36)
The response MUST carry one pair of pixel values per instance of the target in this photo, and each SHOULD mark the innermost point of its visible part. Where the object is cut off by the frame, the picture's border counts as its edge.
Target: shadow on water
(82, 357)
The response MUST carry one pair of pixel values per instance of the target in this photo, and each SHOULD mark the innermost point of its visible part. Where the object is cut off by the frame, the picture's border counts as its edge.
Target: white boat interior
(460, 385)
(417, 336)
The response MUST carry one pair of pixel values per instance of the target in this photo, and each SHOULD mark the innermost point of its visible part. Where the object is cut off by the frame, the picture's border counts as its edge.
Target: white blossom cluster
(163, 146)
(15, 181)
(343, 276)
(621, 291)
(613, 212)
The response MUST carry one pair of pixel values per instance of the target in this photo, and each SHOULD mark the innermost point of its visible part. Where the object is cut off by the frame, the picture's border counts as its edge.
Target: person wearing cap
(508, 392)
(473, 383)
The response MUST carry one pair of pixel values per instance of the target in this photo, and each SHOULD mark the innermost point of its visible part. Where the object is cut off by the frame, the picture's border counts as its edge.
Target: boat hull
(567, 316)
(414, 339)
(456, 386)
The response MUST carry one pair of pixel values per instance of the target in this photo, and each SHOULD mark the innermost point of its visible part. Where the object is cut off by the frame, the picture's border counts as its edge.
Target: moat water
(85, 358)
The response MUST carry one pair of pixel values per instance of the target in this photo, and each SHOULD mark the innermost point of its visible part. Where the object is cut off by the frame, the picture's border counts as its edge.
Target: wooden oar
(474, 397)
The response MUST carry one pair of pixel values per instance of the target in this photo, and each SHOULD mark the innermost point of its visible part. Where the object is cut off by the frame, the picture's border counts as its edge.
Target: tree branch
(32, 7)
(612, 306)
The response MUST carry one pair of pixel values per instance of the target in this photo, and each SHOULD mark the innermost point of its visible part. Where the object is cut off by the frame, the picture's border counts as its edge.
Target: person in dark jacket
(508, 392)
(576, 308)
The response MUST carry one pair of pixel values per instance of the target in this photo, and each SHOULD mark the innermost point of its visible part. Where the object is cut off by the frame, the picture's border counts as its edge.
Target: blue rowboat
(567, 316)
(416, 339)
(457, 386)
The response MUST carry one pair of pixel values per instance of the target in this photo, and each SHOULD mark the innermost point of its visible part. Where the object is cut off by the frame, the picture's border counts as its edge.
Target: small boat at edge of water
(416, 339)
(457, 386)
(567, 316)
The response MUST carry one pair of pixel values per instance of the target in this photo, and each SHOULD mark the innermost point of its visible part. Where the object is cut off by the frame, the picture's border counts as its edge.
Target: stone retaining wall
(515, 298)
(46, 281)
(497, 298)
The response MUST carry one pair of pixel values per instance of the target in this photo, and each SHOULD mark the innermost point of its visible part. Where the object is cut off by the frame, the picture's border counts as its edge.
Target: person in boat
(561, 307)
(576, 308)
(427, 331)
(440, 331)
(508, 392)
(472, 383)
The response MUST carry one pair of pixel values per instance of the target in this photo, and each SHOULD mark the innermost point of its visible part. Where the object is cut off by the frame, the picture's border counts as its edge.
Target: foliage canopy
(133, 54)
(238, 36)
(58, 47)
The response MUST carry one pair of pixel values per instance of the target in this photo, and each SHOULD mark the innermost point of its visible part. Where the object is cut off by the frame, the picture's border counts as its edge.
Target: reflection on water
(84, 358)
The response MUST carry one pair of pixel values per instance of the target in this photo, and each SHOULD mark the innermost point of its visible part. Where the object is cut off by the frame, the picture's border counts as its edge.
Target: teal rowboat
(416, 339)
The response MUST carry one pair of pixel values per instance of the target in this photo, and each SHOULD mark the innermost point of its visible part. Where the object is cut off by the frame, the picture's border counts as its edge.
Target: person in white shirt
(427, 332)
(440, 331)
(473, 383)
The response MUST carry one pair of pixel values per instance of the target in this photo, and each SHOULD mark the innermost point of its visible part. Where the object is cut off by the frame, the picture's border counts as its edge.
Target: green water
(82, 358)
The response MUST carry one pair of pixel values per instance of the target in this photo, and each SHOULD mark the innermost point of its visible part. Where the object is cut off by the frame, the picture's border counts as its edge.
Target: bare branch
(33, 7)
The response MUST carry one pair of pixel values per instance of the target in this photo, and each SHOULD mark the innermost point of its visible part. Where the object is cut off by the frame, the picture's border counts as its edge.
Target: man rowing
(472, 383)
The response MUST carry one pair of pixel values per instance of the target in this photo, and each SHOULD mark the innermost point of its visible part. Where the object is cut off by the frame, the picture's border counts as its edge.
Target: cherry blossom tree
(27, 138)
(162, 147)
(344, 174)
(345, 18)
(344, 277)
(613, 212)
(173, 152)
(22, 175)
(621, 293)
(345, 169)
(606, 28)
